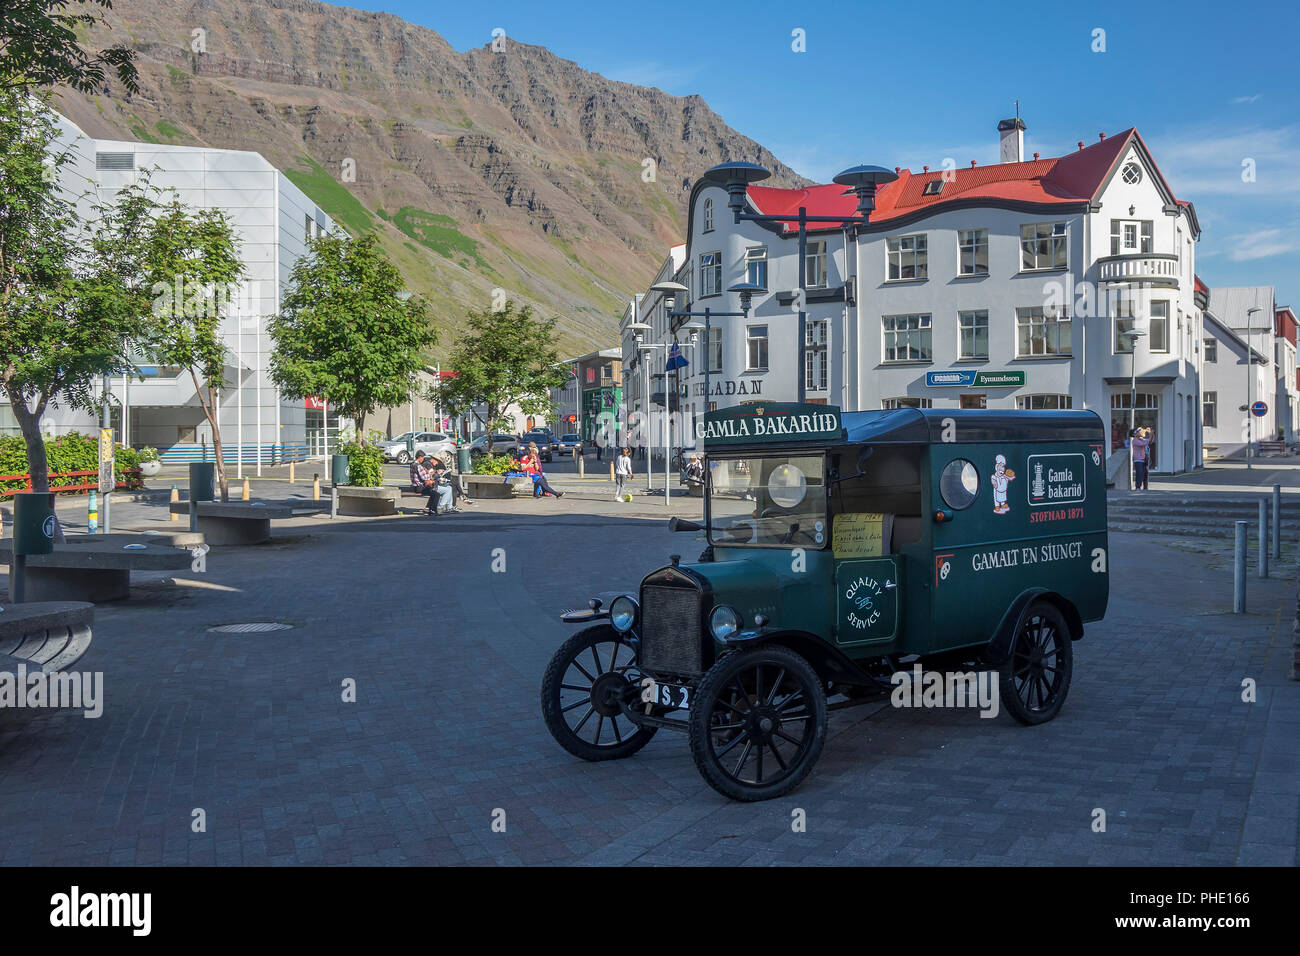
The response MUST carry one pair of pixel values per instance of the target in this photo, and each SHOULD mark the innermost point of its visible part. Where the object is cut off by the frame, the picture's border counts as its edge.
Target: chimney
(1012, 132)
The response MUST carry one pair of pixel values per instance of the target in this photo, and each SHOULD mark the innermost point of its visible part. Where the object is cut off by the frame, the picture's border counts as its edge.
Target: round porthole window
(1132, 174)
(959, 484)
(787, 486)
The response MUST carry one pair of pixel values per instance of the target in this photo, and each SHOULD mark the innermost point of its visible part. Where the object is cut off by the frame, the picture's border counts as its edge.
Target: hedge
(71, 452)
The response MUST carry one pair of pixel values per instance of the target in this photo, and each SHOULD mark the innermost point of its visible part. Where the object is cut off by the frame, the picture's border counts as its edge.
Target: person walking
(595, 443)
(622, 472)
(1140, 442)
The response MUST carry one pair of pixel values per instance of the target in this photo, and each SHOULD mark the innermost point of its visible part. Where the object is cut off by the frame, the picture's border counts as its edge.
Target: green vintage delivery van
(843, 547)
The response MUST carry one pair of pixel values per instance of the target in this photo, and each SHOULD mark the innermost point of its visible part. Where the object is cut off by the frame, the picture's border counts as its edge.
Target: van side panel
(1038, 520)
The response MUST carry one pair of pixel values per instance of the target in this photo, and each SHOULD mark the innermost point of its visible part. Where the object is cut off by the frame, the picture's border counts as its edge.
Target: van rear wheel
(1035, 679)
(758, 723)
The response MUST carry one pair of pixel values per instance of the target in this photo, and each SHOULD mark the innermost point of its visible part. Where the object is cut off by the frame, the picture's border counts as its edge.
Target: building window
(1042, 330)
(755, 266)
(814, 369)
(907, 257)
(756, 347)
(1158, 327)
(973, 247)
(815, 264)
(906, 401)
(1210, 409)
(1125, 323)
(710, 273)
(1042, 246)
(1036, 402)
(974, 334)
(1132, 173)
(1130, 237)
(708, 215)
(908, 338)
(606, 373)
(715, 349)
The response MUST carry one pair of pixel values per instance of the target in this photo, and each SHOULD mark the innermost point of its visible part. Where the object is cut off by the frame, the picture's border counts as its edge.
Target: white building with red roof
(1004, 286)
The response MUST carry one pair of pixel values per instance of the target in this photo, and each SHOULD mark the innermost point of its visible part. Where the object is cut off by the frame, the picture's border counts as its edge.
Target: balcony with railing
(1151, 268)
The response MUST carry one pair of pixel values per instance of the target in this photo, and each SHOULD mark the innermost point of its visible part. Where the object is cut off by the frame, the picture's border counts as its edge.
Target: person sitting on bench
(445, 481)
(424, 480)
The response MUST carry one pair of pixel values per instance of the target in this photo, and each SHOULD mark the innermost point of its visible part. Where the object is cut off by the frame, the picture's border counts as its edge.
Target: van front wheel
(1036, 677)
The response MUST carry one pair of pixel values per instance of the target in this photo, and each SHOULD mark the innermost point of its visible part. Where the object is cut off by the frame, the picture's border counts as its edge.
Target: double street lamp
(1250, 382)
(1133, 335)
(736, 178)
(643, 349)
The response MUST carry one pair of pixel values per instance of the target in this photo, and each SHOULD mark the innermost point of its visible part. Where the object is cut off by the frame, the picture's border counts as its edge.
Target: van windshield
(773, 501)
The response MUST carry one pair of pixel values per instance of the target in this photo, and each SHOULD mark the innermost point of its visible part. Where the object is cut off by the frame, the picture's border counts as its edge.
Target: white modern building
(1234, 318)
(273, 220)
(1006, 286)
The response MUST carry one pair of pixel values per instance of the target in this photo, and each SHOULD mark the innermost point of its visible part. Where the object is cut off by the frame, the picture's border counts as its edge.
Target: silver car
(431, 443)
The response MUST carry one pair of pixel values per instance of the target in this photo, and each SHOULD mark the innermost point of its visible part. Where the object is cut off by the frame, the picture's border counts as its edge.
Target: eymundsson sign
(771, 422)
(969, 378)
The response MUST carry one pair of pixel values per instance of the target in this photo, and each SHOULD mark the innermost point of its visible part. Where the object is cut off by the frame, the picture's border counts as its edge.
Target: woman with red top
(535, 468)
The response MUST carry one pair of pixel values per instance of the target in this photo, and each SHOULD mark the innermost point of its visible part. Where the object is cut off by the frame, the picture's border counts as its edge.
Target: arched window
(708, 215)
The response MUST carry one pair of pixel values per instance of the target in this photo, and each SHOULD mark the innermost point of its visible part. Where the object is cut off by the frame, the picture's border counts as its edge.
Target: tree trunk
(38, 464)
(29, 423)
(208, 403)
(360, 419)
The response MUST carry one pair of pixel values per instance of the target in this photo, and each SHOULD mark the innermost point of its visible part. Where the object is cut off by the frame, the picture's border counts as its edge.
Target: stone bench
(367, 502)
(48, 636)
(172, 539)
(90, 572)
(234, 522)
(497, 486)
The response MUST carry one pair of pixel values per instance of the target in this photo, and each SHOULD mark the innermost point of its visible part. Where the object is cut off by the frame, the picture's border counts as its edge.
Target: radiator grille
(671, 639)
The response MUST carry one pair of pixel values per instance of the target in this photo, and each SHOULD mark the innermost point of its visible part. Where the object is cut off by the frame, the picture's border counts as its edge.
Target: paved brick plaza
(448, 657)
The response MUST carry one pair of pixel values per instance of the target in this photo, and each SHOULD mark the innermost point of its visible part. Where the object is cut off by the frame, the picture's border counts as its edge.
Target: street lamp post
(746, 291)
(1250, 384)
(735, 178)
(643, 349)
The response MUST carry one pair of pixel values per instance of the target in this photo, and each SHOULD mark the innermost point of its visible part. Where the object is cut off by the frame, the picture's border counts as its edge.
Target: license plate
(673, 696)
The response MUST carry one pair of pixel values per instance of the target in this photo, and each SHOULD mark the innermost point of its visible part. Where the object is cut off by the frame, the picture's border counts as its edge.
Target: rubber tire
(554, 719)
(717, 678)
(1065, 658)
(403, 458)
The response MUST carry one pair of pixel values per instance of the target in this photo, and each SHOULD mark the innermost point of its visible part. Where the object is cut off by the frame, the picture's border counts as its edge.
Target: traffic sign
(1259, 409)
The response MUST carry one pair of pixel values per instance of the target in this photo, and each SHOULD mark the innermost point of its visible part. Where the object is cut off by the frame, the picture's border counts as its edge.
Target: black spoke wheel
(758, 723)
(1036, 678)
(581, 694)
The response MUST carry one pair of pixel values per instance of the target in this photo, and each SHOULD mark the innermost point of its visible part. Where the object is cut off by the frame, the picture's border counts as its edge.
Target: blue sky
(1209, 86)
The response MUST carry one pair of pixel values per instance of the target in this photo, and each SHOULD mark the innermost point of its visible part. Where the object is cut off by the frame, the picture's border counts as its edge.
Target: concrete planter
(367, 502)
(150, 468)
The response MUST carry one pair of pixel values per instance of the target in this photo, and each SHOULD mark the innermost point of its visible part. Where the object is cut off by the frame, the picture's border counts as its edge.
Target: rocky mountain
(501, 167)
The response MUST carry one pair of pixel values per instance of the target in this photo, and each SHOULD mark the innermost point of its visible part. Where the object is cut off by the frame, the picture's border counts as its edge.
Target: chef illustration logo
(1002, 476)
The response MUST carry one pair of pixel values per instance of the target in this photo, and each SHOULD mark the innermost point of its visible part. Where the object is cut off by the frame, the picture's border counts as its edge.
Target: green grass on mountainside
(439, 233)
(332, 196)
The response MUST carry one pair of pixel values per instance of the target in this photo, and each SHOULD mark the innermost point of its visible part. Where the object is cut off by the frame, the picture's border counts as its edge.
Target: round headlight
(723, 622)
(622, 613)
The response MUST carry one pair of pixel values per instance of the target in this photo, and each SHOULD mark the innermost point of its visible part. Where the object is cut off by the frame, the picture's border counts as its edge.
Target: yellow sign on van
(860, 535)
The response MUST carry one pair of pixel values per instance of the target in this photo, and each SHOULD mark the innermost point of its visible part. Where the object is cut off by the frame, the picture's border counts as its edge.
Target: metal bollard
(334, 501)
(290, 472)
(1263, 538)
(1277, 523)
(92, 513)
(315, 487)
(1239, 570)
(175, 499)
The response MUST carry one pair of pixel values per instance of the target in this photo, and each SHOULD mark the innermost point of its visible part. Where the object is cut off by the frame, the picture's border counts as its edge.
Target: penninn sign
(770, 421)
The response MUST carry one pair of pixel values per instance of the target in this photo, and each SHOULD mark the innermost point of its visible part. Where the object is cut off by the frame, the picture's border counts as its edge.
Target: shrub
(493, 465)
(64, 453)
(148, 453)
(365, 464)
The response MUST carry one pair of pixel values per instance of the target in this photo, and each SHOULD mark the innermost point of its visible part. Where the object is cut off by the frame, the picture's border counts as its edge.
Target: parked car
(567, 443)
(501, 445)
(543, 442)
(431, 443)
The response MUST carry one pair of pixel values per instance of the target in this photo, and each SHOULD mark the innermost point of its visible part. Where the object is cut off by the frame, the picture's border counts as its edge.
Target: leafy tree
(504, 358)
(67, 300)
(39, 47)
(193, 269)
(344, 333)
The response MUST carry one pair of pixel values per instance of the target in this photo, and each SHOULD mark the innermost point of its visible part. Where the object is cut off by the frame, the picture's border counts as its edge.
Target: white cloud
(1211, 163)
(1246, 99)
(1262, 244)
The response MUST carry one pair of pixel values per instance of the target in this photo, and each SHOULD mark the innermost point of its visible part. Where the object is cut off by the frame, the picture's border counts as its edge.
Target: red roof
(1200, 286)
(1074, 178)
(1286, 324)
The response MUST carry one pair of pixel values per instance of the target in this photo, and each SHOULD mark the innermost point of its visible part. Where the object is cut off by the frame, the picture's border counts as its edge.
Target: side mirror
(681, 524)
